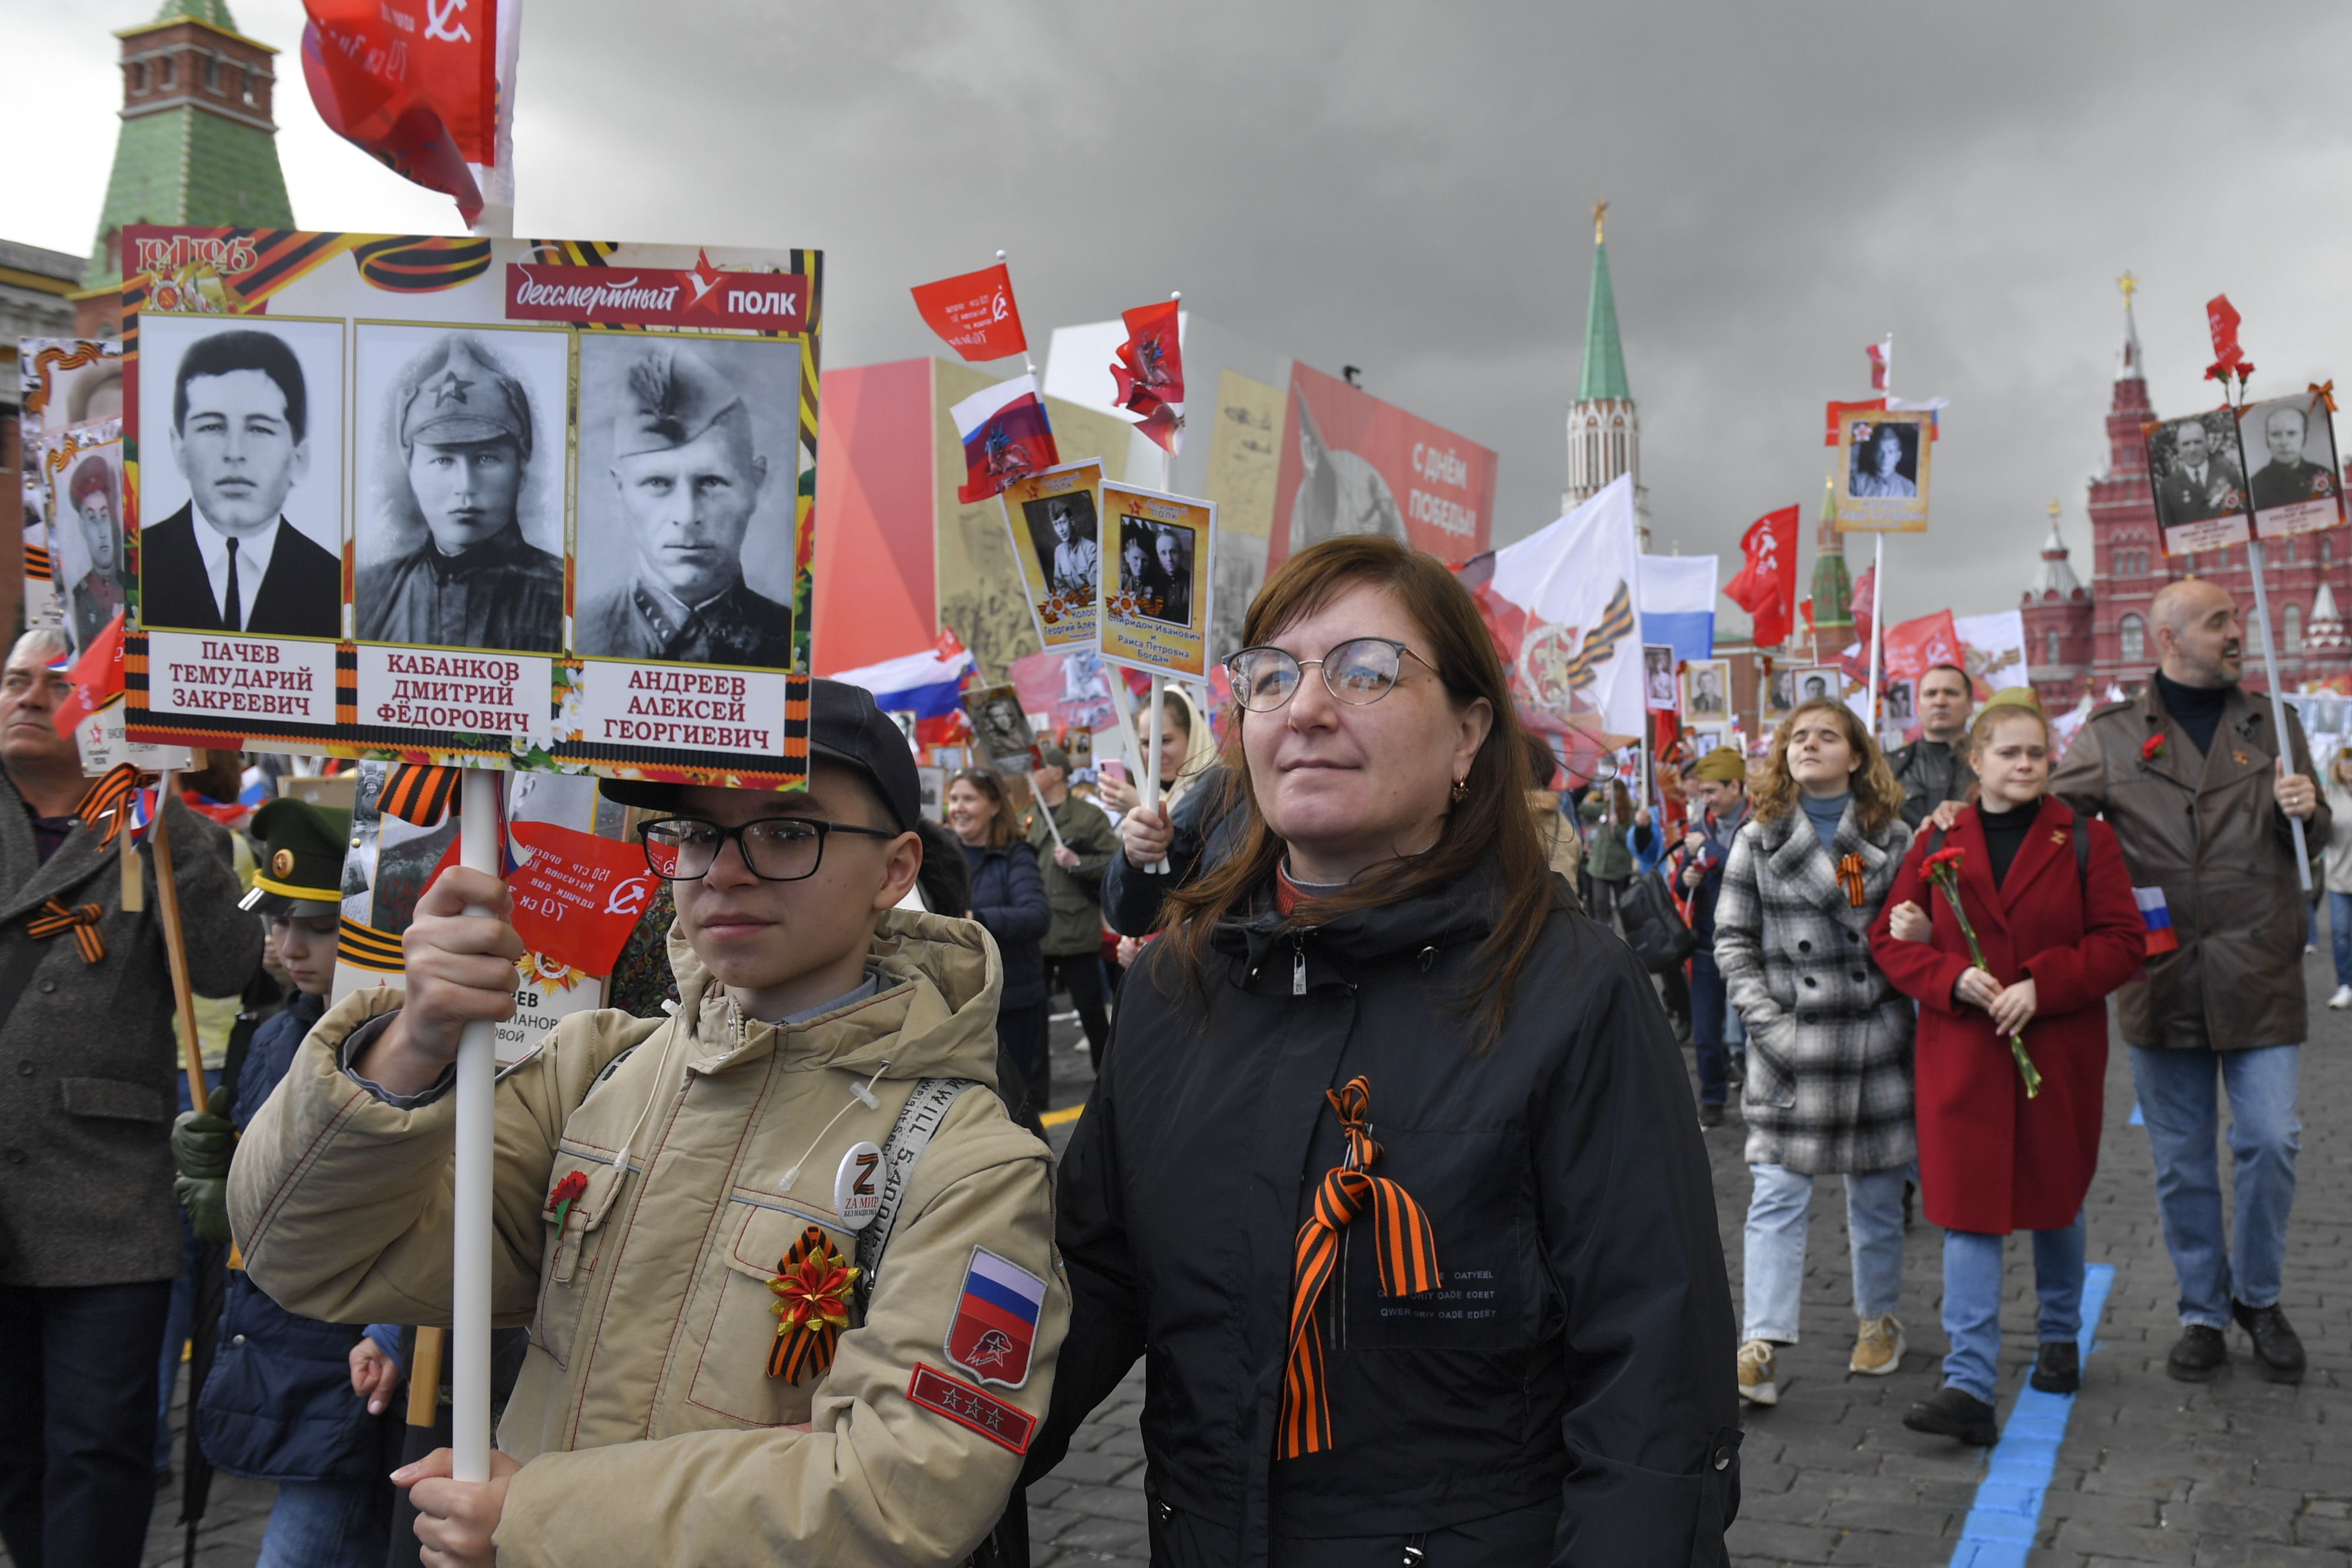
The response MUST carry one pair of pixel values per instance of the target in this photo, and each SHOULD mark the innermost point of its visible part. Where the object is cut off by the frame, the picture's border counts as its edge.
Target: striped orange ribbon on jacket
(108, 796)
(1402, 1242)
(812, 1286)
(81, 920)
(1850, 878)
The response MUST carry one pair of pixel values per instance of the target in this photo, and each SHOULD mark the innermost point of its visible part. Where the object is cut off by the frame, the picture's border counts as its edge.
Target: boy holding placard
(791, 1288)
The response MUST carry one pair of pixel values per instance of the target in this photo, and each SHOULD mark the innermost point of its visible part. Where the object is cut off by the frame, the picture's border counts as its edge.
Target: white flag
(1578, 580)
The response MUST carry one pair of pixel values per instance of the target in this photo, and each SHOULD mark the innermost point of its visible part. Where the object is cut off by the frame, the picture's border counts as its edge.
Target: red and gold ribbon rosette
(812, 1286)
(1943, 868)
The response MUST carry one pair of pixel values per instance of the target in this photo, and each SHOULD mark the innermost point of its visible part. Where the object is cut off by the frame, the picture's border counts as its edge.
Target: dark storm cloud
(1407, 189)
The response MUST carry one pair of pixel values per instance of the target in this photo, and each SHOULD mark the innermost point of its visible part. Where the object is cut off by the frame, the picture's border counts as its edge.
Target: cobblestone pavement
(2237, 1472)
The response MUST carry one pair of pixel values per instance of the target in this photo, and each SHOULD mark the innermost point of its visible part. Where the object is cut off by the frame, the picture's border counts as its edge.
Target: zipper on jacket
(1299, 965)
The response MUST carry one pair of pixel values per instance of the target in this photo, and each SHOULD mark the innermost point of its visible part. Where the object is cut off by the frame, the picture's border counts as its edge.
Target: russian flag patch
(995, 1325)
(2158, 918)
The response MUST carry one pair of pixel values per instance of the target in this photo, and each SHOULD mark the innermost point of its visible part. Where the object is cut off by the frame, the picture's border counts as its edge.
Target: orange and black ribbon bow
(2324, 391)
(1406, 1249)
(110, 796)
(82, 921)
(417, 793)
(1850, 879)
(811, 1287)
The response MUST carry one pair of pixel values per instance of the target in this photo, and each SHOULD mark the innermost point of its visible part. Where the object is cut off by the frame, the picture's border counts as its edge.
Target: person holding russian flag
(2012, 918)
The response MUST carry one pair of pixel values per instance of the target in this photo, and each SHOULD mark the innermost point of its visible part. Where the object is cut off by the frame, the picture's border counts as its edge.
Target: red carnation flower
(2152, 747)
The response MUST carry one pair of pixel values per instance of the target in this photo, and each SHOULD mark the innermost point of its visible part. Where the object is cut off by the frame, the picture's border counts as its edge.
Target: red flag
(578, 896)
(1879, 355)
(1913, 647)
(1149, 371)
(423, 102)
(2228, 359)
(974, 313)
(97, 678)
(1766, 585)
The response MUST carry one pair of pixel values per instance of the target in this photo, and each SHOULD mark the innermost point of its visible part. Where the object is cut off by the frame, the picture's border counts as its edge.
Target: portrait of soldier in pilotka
(454, 567)
(686, 482)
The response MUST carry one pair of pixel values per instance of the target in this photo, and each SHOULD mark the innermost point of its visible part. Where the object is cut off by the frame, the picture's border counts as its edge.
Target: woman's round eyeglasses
(1360, 672)
(776, 849)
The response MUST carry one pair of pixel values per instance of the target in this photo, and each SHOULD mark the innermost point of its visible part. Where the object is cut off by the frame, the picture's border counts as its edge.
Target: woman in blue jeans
(1827, 1088)
(2339, 875)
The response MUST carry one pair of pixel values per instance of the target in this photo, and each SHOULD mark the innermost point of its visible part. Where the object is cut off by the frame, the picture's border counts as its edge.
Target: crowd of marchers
(1390, 1171)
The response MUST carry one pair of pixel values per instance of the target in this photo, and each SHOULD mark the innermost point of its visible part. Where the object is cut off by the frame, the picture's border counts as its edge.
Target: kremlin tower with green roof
(198, 143)
(1604, 432)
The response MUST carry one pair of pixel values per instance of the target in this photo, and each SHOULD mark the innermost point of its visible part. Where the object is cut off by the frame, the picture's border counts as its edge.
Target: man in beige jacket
(666, 1190)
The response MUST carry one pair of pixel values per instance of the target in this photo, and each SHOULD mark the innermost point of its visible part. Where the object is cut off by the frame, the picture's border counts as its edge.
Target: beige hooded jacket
(649, 1429)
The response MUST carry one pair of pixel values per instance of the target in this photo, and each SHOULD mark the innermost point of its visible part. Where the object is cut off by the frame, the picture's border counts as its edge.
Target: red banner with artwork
(1354, 465)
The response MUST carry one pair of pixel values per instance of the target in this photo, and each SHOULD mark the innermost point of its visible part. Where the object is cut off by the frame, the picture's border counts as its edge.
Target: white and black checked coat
(1828, 1086)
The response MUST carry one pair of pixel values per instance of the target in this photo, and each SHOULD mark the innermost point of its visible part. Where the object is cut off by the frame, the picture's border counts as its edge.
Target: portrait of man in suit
(2288, 477)
(2200, 483)
(228, 561)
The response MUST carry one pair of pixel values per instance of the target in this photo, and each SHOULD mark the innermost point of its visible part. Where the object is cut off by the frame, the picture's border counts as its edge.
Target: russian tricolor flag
(923, 684)
(995, 1322)
(1004, 435)
(2158, 918)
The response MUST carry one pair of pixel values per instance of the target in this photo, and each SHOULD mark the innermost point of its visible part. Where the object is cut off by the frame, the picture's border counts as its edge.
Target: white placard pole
(1877, 622)
(2278, 703)
(1151, 754)
(470, 1273)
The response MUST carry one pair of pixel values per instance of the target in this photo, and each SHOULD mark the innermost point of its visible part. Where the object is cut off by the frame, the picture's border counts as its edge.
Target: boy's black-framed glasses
(1358, 672)
(775, 849)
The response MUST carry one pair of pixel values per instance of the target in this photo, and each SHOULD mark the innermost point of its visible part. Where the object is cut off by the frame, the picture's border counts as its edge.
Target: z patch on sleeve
(995, 1325)
(1002, 1424)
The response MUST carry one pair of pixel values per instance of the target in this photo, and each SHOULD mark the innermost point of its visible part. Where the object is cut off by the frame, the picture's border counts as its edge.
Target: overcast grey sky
(1406, 188)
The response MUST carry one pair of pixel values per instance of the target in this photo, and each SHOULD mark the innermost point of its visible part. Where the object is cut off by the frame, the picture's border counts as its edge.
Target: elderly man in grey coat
(90, 1233)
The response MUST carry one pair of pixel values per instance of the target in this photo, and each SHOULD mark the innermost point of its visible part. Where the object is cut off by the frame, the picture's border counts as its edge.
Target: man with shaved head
(2187, 773)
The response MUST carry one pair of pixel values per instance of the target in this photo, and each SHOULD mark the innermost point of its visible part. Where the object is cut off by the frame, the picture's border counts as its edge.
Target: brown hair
(1000, 826)
(1489, 825)
(1877, 797)
(1543, 763)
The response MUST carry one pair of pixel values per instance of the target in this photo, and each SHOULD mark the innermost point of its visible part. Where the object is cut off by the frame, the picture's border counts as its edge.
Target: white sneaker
(1878, 1346)
(2342, 998)
(1756, 1378)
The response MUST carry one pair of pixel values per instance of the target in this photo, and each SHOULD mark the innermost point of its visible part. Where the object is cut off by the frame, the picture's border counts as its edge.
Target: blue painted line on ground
(2134, 1119)
(2007, 1508)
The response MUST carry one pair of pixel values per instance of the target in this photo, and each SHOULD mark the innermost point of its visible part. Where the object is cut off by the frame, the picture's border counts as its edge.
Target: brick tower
(198, 143)
(2057, 614)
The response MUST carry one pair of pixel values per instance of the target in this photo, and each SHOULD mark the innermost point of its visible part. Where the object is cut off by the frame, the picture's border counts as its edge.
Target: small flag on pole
(1005, 435)
(974, 313)
(1149, 371)
(1882, 362)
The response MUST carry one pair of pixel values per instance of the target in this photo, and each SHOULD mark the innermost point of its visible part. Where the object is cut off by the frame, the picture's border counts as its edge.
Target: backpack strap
(925, 1108)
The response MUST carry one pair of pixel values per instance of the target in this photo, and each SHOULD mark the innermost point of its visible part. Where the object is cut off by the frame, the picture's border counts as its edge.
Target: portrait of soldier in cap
(92, 512)
(687, 480)
(462, 448)
(249, 434)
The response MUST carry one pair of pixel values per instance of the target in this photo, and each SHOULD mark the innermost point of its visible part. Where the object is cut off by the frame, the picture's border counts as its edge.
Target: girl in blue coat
(278, 1404)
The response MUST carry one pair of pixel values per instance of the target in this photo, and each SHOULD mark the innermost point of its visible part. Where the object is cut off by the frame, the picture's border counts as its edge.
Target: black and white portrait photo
(2292, 451)
(687, 479)
(1062, 532)
(1901, 705)
(2194, 462)
(1706, 690)
(1658, 676)
(1155, 564)
(1819, 682)
(1883, 460)
(240, 425)
(1780, 695)
(1000, 727)
(87, 543)
(458, 520)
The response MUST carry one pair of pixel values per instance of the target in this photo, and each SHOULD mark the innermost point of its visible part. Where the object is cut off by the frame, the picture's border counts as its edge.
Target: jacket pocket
(731, 1377)
(567, 1270)
(1475, 1186)
(1771, 1080)
(111, 1098)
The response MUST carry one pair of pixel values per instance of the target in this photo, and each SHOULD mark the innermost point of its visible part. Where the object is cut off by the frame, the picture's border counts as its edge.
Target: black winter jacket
(1573, 1385)
(1008, 897)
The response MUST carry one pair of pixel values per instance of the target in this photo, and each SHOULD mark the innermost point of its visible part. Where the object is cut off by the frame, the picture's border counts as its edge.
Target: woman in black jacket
(1008, 897)
(1393, 1172)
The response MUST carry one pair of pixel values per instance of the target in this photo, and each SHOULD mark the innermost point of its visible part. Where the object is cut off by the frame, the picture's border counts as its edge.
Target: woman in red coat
(2060, 930)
